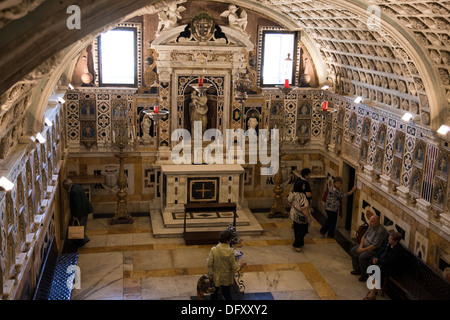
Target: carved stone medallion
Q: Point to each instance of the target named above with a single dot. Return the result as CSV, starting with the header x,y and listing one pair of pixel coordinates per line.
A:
x,y
202,26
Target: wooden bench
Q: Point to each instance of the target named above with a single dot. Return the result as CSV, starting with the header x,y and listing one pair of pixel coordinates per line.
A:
x,y
52,283
417,281
205,237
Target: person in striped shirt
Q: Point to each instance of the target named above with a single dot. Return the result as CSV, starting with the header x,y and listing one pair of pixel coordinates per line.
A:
x,y
333,205
300,217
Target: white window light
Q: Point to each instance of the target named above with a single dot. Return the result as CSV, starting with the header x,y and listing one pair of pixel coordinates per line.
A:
x,y
48,122
275,67
358,99
40,138
6,184
117,56
444,129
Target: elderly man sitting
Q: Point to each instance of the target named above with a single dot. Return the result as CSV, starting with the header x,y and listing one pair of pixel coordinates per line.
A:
x,y
372,242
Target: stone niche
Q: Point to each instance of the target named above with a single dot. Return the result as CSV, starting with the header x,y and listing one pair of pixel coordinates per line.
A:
x,y
217,54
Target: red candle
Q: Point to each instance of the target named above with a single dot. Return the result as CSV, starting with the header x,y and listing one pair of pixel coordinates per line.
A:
x,y
155,109
286,83
325,105
200,82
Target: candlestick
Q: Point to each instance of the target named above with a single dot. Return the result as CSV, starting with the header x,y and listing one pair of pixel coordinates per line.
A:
x,y
325,105
155,109
200,82
286,83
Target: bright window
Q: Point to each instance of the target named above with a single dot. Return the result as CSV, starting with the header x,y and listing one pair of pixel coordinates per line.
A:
x,y
277,56
117,57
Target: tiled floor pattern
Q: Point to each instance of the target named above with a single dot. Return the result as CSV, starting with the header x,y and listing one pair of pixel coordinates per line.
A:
x,y
126,262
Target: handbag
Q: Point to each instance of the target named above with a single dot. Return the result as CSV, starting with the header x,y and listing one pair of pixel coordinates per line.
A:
x,y
298,212
205,285
76,231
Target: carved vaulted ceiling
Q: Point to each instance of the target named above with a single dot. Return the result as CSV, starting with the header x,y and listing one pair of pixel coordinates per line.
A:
x,y
400,61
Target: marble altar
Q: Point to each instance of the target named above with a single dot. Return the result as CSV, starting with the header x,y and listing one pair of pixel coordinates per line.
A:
x,y
218,183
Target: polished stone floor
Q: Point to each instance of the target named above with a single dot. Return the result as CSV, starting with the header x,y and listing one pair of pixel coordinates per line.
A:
x,y
126,262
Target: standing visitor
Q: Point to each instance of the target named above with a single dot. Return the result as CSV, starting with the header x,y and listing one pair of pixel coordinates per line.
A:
x,y
80,206
222,265
300,216
333,205
302,184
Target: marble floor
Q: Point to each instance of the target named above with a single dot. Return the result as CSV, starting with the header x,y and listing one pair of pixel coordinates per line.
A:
x,y
126,262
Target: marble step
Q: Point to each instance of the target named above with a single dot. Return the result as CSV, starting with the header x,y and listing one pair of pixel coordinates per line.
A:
x,y
159,229
205,219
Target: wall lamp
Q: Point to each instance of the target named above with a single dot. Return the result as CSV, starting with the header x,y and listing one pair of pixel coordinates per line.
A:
x,y
48,122
39,138
358,99
327,84
5,184
410,117
443,130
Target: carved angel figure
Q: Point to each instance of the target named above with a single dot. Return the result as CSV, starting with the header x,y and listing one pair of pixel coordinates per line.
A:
x,y
168,17
235,22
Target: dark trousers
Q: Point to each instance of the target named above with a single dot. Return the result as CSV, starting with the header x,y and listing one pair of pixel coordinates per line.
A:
x,y
226,292
330,225
300,230
360,261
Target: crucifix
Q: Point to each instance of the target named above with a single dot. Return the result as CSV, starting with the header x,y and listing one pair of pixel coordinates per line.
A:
x,y
203,190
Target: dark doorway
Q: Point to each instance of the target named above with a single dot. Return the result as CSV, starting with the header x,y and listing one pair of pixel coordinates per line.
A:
x,y
349,181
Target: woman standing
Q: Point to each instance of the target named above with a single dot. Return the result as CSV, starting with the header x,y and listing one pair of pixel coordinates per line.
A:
x,y
300,216
222,265
333,205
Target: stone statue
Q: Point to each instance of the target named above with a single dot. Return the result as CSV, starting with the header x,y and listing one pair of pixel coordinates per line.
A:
x,y
168,17
198,110
234,21
252,123
145,127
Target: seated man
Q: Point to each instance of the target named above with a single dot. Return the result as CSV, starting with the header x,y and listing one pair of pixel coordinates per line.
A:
x,y
373,240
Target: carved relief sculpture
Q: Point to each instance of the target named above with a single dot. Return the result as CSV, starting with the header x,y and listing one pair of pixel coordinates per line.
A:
x,y
168,17
202,26
235,21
